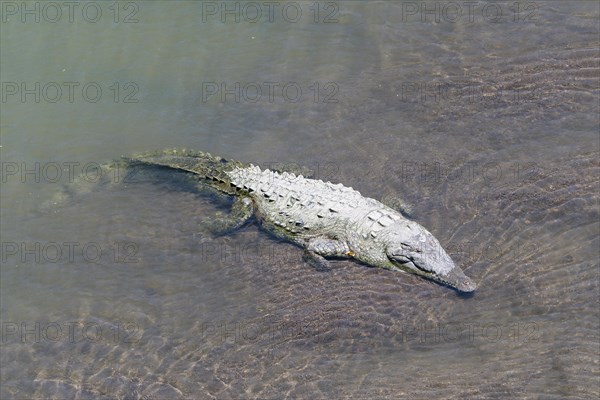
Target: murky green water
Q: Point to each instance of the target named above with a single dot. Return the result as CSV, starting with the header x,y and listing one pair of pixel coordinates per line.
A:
x,y
485,119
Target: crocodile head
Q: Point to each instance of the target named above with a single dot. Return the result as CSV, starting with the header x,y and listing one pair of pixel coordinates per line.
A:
x,y
412,248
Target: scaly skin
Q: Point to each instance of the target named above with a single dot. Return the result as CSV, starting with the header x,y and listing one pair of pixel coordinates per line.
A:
x,y
327,220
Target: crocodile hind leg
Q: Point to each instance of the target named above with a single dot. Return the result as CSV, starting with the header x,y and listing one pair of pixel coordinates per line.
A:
x,y
319,248
241,212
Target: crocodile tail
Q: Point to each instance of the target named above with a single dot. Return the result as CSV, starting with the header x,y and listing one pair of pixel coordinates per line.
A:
x,y
212,169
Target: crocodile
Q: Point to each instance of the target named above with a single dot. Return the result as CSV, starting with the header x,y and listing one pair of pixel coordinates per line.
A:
x,y
325,219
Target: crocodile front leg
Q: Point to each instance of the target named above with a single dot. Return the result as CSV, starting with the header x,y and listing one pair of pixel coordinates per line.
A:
x,y
241,212
319,248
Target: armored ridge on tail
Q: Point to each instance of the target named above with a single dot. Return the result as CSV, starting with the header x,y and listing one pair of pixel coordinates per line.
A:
x,y
326,219
212,169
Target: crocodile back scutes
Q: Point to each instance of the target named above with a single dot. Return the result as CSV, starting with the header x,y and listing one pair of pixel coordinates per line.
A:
x,y
300,205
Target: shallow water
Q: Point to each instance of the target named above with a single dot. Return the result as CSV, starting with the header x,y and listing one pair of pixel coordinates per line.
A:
x,y
487,126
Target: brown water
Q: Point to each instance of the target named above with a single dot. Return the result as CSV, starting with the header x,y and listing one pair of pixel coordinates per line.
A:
x,y
489,128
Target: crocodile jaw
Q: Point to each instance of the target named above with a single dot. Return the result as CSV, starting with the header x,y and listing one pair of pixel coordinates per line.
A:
x,y
457,279
454,278
414,249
